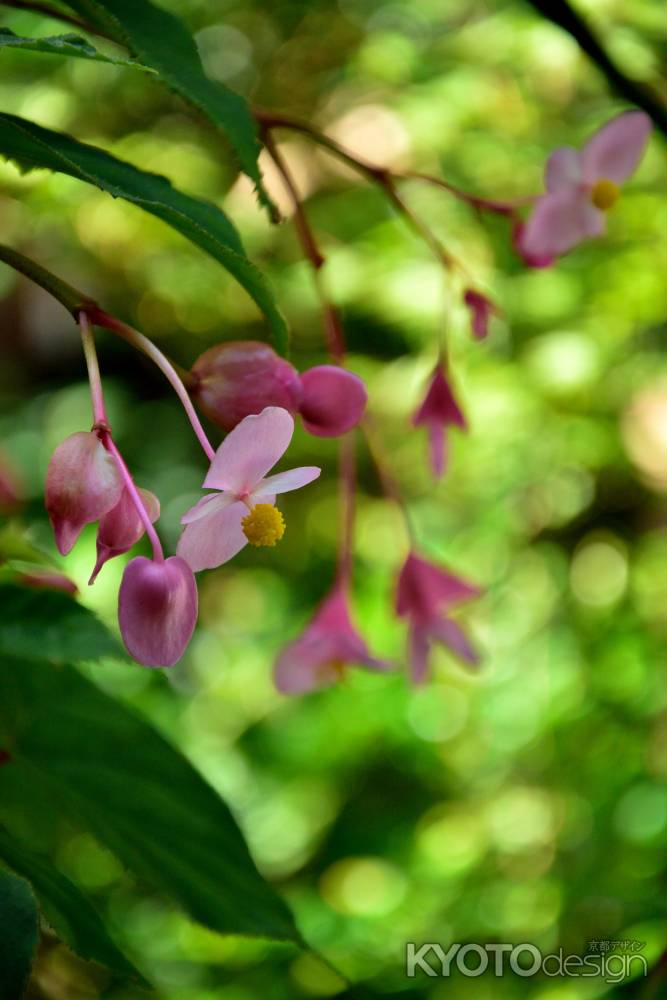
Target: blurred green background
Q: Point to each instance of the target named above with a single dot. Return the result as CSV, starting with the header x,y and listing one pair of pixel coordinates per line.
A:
x,y
527,803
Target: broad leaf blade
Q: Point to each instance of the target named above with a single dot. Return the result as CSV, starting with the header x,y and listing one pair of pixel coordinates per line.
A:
x,y
19,931
48,625
66,908
138,795
65,45
162,41
202,222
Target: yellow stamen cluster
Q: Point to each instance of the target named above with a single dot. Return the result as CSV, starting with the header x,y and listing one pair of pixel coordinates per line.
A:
x,y
604,194
264,525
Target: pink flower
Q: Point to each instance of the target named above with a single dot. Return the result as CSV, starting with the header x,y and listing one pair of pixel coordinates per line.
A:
x,y
481,309
121,527
157,609
243,510
326,646
235,380
424,596
438,411
82,484
581,188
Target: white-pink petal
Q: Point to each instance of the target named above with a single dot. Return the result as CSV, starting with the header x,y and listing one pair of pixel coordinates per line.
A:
x,y
615,150
250,450
214,539
559,222
208,505
283,482
563,169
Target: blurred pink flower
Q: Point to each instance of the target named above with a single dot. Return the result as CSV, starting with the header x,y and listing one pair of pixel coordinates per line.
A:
x,y
157,609
438,411
11,491
424,597
581,188
241,378
121,527
47,579
326,646
82,484
221,523
481,309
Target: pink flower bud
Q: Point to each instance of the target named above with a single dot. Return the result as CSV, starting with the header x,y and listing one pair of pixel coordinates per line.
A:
x,y
481,309
82,484
121,527
333,400
157,609
241,378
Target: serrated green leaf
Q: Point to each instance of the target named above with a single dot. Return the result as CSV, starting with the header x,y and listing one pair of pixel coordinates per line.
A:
x,y
47,625
66,45
19,931
65,908
202,222
160,40
137,794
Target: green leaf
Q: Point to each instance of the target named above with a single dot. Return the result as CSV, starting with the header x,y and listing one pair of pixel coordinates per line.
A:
x,y
136,794
161,40
65,907
202,222
48,625
19,931
65,45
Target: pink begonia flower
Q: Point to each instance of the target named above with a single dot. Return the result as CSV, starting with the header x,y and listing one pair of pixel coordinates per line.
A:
x,y
481,309
326,646
157,609
82,484
235,380
438,411
243,510
581,188
47,579
121,527
424,596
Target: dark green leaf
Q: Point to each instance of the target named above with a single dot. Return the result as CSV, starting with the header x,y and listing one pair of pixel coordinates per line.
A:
x,y
47,625
199,221
137,794
18,935
161,40
65,45
65,907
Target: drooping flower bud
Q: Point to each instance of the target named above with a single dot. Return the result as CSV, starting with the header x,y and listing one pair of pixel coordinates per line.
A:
x,y
481,309
82,484
121,527
157,609
333,400
241,378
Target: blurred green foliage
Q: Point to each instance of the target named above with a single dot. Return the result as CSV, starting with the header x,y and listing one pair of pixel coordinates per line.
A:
x,y
527,803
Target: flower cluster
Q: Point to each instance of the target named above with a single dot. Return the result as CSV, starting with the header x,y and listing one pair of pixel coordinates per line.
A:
x,y
254,395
